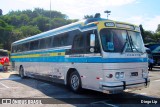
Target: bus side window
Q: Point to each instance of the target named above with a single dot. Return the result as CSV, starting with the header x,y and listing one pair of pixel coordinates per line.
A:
x,y
19,48
42,43
14,49
34,45
48,42
60,40
25,47
78,44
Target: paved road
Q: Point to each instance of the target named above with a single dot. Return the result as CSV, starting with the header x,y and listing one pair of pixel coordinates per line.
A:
x,y
12,86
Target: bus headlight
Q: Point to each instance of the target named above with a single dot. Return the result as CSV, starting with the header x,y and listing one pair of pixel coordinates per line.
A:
x,y
119,75
144,73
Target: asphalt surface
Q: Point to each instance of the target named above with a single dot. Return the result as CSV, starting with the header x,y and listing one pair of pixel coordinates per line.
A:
x,y
14,88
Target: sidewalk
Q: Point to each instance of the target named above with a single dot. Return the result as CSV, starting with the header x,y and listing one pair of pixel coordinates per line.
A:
x,y
10,75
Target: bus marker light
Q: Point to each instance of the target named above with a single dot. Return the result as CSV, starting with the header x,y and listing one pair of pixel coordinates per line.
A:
x,y
96,23
98,78
83,76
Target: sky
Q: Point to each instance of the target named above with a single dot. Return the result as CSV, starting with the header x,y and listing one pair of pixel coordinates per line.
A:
x,y
145,12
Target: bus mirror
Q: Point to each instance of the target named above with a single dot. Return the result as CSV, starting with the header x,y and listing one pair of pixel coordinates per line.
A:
x,y
92,39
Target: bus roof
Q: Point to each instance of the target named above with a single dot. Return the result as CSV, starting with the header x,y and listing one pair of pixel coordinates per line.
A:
x,y
73,26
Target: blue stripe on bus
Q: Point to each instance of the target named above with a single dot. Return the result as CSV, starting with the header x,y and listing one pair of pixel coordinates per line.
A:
x,y
80,60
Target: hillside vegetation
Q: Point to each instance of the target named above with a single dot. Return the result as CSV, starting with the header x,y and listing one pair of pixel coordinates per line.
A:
x,y
21,24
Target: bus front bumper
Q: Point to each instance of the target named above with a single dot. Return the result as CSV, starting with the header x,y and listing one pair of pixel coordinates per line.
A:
x,y
117,87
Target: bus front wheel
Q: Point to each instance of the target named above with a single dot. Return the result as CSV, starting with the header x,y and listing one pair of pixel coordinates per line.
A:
x,y
75,82
21,72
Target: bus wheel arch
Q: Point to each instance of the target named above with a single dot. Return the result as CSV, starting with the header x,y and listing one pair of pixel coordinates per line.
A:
x,y
74,80
21,71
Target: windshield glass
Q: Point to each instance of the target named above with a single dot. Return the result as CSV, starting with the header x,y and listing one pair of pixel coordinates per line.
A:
x,y
157,49
3,53
114,40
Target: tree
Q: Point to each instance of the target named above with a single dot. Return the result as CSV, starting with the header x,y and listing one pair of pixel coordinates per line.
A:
x,y
158,28
88,16
21,24
41,22
142,32
24,19
149,36
29,30
156,37
1,12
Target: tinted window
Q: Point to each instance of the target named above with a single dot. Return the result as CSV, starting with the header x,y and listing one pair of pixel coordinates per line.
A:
x,y
14,49
48,42
42,44
3,53
19,48
34,45
45,43
78,44
114,40
88,47
60,40
81,43
25,47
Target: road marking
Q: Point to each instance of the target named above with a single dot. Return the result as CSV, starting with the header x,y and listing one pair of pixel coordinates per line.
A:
x,y
13,78
156,80
140,94
104,102
110,104
4,85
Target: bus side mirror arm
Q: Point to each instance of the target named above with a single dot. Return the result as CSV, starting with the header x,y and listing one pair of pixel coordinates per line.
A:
x,y
92,42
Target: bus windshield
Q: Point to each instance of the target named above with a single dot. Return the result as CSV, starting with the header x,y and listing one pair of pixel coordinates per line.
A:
x,y
114,40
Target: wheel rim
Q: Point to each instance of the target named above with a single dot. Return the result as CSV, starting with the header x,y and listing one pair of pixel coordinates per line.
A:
x,y
75,82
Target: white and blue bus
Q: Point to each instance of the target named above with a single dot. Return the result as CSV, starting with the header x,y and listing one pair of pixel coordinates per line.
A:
x,y
97,54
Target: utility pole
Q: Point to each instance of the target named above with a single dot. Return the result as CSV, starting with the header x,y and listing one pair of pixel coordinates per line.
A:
x,y
108,13
50,16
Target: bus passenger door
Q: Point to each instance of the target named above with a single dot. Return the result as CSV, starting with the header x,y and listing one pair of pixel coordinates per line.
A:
x,y
86,52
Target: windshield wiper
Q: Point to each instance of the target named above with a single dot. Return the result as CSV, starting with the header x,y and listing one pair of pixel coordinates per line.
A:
x,y
133,46
125,46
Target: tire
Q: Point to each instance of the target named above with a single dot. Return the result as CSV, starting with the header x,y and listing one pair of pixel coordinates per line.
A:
x,y
75,82
21,72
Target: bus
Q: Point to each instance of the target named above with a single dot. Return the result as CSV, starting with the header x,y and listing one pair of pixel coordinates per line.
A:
x,y
97,54
4,60
155,51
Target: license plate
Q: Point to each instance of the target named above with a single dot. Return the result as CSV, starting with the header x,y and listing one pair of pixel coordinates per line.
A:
x,y
134,73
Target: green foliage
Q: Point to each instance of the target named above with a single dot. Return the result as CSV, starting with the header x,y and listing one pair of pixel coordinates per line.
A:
x,y
149,36
158,28
142,31
88,16
29,30
0,12
21,24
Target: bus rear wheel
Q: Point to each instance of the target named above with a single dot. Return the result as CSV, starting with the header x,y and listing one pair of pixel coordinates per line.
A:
x,y
75,82
21,72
